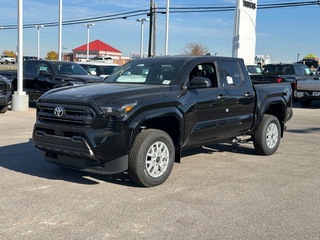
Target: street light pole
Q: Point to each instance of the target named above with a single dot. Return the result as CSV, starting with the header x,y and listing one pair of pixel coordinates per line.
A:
x,y
38,31
88,37
167,29
142,20
298,57
20,100
60,31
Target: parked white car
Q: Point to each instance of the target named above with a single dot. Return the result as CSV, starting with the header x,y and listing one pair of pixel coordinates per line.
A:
x,y
6,59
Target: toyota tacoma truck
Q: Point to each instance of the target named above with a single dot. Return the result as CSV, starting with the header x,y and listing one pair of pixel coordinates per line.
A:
x,y
149,110
40,76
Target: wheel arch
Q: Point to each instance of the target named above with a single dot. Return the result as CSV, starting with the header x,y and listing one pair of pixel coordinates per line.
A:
x,y
277,109
169,120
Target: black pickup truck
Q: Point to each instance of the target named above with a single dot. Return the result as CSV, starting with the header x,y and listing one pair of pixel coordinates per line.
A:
x,y
40,76
283,72
150,109
5,94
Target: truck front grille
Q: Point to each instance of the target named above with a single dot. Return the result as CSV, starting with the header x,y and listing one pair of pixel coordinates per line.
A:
x,y
66,114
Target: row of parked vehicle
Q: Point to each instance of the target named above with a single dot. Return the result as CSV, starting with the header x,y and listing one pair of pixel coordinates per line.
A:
x,y
39,76
305,83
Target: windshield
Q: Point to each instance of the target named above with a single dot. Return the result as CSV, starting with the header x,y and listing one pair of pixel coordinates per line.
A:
x,y
278,69
108,70
69,68
148,72
254,69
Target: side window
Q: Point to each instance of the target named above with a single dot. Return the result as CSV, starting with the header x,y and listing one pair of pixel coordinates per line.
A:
x,y
307,71
232,73
92,70
299,70
30,68
206,70
44,68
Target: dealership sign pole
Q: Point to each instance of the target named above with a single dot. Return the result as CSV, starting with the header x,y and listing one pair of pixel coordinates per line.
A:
x,y
244,37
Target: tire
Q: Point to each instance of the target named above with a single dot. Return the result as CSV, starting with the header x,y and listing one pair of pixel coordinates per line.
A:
x,y
267,140
305,102
3,109
151,158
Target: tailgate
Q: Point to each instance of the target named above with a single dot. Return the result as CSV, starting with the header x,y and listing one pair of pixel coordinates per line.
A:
x,y
308,85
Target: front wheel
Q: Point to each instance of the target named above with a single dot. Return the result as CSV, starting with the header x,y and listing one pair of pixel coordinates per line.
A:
x,y
151,158
266,141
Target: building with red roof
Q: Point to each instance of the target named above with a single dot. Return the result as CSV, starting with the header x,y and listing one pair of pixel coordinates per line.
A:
x,y
98,48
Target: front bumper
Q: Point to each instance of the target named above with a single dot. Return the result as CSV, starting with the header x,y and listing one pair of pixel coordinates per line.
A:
x,y
307,94
82,138
73,150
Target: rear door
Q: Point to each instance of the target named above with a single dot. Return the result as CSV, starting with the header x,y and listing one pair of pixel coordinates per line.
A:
x,y
241,97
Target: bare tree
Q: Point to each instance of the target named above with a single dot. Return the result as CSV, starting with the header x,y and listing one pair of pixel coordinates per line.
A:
x,y
195,49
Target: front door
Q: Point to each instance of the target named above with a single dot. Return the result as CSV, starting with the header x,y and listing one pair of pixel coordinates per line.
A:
x,y
206,113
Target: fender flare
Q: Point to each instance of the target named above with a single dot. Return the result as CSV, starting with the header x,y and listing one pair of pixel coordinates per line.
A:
x,y
137,123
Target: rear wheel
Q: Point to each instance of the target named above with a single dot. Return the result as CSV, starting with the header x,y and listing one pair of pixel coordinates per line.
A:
x,y
151,158
266,141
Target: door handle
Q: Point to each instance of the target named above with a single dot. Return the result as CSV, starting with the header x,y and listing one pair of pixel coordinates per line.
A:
x,y
221,97
248,95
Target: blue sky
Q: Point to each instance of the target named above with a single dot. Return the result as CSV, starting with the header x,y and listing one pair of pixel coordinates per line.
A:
x,y
281,33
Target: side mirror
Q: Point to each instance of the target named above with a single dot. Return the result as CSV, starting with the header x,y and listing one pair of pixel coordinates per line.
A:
x,y
199,82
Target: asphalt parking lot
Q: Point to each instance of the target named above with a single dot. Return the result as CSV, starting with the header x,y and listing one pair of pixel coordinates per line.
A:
x,y
217,192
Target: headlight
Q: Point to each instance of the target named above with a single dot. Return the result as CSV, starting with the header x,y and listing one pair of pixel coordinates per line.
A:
x,y
7,81
120,111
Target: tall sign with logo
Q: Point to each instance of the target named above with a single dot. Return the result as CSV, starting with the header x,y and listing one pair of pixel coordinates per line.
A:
x,y
244,36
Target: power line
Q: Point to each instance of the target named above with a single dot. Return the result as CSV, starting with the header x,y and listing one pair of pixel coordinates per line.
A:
x,y
161,10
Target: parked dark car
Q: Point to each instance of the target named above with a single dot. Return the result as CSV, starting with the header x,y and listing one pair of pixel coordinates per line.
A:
x,y
40,76
5,94
30,58
311,63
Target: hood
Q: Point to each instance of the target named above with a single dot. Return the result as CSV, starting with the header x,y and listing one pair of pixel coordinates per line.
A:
x,y
81,78
106,93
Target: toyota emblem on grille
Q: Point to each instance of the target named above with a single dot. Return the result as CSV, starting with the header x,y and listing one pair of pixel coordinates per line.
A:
x,y
58,111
